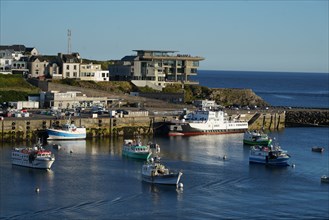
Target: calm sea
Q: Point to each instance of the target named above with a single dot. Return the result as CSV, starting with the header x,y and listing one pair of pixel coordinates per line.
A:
x,y
276,88
96,182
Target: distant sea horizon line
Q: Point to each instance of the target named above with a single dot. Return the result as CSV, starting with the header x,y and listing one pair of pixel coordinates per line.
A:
x,y
261,71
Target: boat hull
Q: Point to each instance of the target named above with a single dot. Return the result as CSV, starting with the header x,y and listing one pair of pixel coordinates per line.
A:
x,y
44,163
169,179
281,161
57,134
262,143
187,130
136,155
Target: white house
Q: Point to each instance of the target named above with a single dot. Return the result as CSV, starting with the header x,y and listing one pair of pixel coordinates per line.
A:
x,y
93,72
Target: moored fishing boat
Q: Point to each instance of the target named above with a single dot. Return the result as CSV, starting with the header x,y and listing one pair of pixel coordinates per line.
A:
x,y
269,155
256,138
67,131
135,149
36,157
153,171
206,121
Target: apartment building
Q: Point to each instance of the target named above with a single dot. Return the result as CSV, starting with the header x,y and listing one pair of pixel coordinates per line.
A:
x,y
156,68
93,72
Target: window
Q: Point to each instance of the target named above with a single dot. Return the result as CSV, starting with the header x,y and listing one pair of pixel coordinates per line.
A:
x,y
67,67
67,74
75,67
195,63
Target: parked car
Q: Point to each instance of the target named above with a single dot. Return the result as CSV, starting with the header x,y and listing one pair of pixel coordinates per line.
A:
x,y
123,111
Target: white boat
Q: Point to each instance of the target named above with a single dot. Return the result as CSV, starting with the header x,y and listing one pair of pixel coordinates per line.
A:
x,y
256,138
268,155
206,122
155,172
35,157
67,131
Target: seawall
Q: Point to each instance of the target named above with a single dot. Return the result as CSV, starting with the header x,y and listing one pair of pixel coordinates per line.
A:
x,y
307,118
13,129
18,129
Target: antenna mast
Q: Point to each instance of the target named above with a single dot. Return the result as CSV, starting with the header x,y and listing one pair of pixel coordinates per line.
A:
x,y
69,41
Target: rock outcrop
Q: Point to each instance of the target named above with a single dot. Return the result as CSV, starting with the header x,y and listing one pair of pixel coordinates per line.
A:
x,y
241,97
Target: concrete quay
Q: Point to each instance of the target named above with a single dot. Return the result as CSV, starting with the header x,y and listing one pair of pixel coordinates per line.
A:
x,y
19,129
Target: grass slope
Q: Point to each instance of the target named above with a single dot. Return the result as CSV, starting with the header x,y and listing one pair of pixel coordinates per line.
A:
x,y
15,88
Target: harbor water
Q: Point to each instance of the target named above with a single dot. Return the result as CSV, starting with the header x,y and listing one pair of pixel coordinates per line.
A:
x,y
90,179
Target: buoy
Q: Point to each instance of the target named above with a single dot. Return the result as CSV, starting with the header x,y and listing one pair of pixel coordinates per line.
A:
x,y
180,186
37,190
293,165
224,158
71,151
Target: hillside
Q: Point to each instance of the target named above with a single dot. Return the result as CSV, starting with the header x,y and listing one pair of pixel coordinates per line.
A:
x,y
15,88
222,96
112,86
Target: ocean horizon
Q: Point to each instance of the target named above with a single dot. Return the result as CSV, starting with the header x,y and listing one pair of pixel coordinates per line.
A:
x,y
293,89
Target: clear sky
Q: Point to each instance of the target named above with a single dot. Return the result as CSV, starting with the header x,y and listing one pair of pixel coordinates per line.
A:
x,y
261,35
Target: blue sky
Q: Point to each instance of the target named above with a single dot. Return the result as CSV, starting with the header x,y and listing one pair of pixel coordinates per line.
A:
x,y
258,35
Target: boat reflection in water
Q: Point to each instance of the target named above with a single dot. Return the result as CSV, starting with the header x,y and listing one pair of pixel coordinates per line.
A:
x,y
69,146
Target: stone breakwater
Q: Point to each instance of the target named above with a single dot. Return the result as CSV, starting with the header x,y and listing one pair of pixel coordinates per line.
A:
x,y
307,118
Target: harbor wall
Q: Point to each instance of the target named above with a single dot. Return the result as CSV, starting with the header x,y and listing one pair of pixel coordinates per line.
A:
x,y
13,129
267,121
18,129
30,129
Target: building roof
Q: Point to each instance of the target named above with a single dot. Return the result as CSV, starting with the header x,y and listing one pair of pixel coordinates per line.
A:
x,y
70,58
16,47
161,51
43,58
129,58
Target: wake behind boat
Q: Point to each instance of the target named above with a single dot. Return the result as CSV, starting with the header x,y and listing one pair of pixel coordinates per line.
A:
x,y
206,122
35,157
67,131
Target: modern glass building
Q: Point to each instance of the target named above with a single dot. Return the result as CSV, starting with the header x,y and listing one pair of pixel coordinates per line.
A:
x,y
156,68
